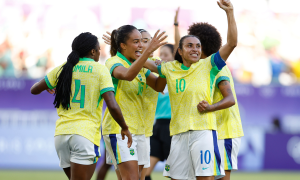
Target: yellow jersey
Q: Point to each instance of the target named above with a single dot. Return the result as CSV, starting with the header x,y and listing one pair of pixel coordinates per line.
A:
x,y
187,87
228,120
129,96
150,102
89,81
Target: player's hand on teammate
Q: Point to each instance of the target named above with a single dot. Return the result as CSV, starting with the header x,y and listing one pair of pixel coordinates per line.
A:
x,y
126,132
157,41
107,38
158,62
51,91
225,5
203,106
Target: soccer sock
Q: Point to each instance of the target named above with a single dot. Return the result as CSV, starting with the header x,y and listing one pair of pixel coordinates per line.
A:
x,y
147,178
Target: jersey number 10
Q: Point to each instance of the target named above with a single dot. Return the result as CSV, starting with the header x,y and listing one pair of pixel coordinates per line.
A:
x,y
179,85
82,95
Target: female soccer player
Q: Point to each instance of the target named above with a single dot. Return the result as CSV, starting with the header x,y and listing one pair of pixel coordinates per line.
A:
x,y
130,80
81,85
190,81
229,124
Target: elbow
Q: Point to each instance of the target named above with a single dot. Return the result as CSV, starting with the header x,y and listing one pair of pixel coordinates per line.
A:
x,y
232,102
32,91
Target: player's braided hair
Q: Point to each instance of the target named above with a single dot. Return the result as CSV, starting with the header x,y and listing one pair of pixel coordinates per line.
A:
x,y
118,36
177,55
81,45
209,36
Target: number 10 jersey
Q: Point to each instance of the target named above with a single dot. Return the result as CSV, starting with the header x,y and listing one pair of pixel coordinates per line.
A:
x,y
187,87
89,81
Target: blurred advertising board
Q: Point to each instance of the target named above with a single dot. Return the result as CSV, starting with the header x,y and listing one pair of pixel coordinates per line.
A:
x,y
27,125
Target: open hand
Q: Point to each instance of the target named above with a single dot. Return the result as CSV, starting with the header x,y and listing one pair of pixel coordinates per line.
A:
x,y
203,106
107,38
225,5
156,41
126,132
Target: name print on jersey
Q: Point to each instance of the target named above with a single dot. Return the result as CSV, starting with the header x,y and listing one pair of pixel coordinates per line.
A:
x,y
81,68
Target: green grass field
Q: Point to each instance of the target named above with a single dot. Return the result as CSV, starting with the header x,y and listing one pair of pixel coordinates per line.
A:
x,y
59,175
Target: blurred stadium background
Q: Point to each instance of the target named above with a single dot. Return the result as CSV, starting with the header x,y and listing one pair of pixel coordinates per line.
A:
x,y
36,36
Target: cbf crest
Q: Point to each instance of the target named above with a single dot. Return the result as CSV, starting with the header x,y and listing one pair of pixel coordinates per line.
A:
x,y
167,167
131,152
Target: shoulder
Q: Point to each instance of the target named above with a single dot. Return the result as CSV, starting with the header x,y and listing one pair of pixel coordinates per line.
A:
x,y
154,58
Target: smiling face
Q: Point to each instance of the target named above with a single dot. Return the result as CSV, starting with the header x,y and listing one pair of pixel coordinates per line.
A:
x,y
133,46
191,50
146,39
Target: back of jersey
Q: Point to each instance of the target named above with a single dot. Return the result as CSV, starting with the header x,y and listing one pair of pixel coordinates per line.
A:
x,y
89,81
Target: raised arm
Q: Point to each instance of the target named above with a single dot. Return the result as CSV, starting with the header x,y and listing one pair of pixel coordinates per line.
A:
x,y
177,35
226,50
227,101
116,113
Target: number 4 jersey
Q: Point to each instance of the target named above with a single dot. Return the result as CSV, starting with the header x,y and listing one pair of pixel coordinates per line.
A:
x,y
187,87
89,81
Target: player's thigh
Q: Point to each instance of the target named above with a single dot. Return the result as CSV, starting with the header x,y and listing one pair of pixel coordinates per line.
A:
x,y
205,153
118,151
129,170
82,172
178,163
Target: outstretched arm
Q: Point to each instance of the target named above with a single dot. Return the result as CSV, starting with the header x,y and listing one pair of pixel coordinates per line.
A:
x,y
226,102
116,113
226,50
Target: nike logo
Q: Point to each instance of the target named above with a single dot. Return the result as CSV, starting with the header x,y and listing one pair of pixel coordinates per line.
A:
x,y
205,168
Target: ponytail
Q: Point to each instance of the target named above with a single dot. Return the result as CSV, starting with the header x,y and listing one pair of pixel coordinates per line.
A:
x,y
178,57
81,46
121,35
113,44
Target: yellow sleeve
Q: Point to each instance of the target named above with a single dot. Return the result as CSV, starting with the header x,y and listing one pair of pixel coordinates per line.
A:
x,y
106,81
112,63
51,77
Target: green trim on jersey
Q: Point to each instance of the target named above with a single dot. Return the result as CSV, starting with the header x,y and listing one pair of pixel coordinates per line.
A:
x,y
104,91
183,67
123,57
147,73
48,83
86,59
159,72
114,66
213,73
222,78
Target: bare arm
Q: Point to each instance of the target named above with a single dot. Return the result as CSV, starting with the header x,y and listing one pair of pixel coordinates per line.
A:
x,y
116,113
227,49
156,83
177,35
226,102
39,87
151,66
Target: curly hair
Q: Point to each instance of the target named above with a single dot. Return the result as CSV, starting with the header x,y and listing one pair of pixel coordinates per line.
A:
x,y
209,36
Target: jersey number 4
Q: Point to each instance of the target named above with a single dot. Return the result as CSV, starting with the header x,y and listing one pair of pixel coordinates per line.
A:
x,y
82,95
179,84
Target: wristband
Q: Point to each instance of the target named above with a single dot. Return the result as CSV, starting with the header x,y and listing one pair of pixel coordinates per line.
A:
x,y
175,24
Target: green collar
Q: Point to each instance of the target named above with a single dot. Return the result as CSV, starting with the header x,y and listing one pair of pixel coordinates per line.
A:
x,y
123,57
85,59
183,67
